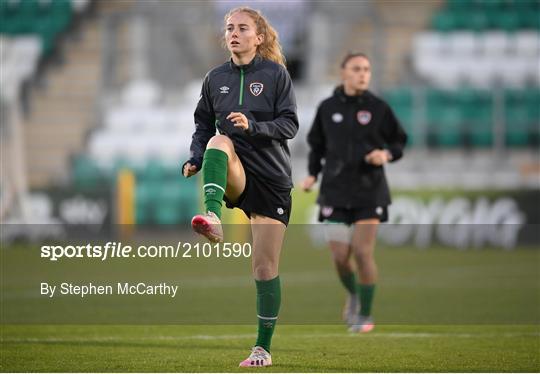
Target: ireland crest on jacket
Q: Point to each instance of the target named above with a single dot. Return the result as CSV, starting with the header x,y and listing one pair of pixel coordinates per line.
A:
x,y
256,88
363,117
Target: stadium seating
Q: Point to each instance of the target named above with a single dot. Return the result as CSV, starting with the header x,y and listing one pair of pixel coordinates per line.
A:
x,y
481,43
141,134
481,60
467,116
522,116
488,14
43,18
165,201
401,101
481,65
86,174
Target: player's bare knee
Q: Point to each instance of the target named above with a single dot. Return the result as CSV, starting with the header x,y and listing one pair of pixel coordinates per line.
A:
x,y
264,272
363,257
221,142
341,260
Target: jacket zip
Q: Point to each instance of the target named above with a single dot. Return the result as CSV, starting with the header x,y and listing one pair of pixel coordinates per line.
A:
x,y
350,131
241,98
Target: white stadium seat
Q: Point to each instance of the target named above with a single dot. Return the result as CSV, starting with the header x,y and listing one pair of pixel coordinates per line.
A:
x,y
463,43
495,43
141,93
481,60
139,129
527,44
429,43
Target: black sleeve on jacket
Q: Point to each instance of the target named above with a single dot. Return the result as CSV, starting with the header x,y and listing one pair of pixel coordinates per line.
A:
x,y
285,124
317,143
205,126
393,134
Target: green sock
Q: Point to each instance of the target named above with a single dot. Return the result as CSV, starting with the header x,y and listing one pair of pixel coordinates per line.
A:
x,y
214,170
268,303
365,293
349,282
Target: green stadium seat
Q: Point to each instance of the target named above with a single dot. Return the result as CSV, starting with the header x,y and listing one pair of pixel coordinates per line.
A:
x,y
86,175
480,134
121,163
518,126
143,202
399,96
47,31
408,125
459,5
29,8
529,98
475,105
404,114
171,203
489,4
530,20
448,128
507,20
436,101
475,21
522,115
166,214
523,5
4,8
154,170
445,21
480,15
166,201
476,109
401,101
61,13
47,19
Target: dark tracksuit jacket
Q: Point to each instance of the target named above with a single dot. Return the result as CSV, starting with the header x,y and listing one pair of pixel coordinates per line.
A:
x,y
345,130
262,90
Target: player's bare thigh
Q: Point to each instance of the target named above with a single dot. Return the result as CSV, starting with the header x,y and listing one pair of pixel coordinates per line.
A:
x,y
365,234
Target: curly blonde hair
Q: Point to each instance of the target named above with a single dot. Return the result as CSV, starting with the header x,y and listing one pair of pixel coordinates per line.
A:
x,y
270,48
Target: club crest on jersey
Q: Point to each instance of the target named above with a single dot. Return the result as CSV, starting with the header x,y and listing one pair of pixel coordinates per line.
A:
x,y
363,117
256,88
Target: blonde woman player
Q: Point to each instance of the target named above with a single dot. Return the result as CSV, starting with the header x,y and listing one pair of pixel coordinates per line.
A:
x,y
250,101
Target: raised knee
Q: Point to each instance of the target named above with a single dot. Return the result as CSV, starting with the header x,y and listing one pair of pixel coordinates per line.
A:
x,y
221,142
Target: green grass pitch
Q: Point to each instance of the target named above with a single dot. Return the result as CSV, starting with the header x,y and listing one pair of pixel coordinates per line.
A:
x,y
310,348
437,310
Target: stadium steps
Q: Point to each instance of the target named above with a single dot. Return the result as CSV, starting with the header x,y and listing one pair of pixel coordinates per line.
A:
x,y
402,21
123,55
388,48
359,39
63,112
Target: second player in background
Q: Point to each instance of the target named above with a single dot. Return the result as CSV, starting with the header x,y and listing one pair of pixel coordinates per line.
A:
x,y
356,134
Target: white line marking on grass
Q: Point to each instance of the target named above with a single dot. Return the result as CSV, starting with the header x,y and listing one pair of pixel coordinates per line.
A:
x,y
251,336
